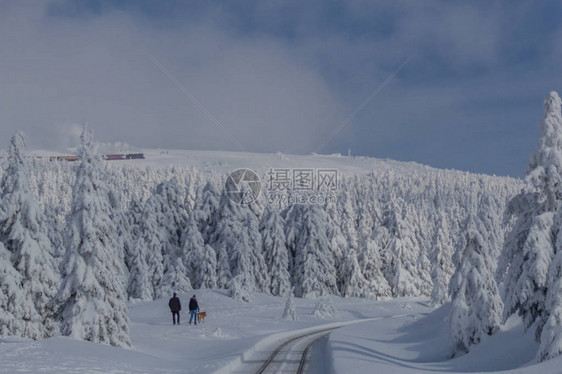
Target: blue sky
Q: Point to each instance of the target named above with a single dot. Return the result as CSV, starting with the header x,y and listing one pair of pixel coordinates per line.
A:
x,y
284,75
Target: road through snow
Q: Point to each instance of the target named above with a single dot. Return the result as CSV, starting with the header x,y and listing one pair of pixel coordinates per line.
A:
x,y
283,353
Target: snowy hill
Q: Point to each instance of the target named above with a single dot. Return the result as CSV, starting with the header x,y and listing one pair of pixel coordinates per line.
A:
x,y
225,162
221,161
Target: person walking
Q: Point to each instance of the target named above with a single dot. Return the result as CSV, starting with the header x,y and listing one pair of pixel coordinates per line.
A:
x,y
193,309
175,308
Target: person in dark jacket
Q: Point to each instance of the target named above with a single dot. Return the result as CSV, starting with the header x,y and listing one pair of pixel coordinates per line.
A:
x,y
175,308
193,309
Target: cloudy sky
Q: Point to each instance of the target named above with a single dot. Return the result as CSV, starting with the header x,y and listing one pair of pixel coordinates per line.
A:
x,y
450,84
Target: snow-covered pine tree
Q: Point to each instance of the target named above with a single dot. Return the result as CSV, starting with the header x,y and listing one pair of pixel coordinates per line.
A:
x,y
193,249
238,287
371,264
293,225
259,267
237,235
148,267
439,293
275,252
11,303
55,230
530,246
368,252
526,280
489,216
243,281
140,286
418,220
290,312
176,279
551,334
314,272
545,164
192,187
354,283
134,214
223,268
163,222
92,296
208,268
402,273
173,216
124,241
348,217
200,259
381,237
206,211
476,306
338,244
24,234
442,263
324,308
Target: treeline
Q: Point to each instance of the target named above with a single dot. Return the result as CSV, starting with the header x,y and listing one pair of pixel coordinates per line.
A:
x,y
384,236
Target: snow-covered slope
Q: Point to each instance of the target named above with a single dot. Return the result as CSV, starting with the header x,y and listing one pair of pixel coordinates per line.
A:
x,y
228,161
224,161
411,338
231,329
421,344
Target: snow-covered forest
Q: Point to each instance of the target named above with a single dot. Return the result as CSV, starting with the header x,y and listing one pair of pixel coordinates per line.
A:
x,y
78,240
391,233
177,230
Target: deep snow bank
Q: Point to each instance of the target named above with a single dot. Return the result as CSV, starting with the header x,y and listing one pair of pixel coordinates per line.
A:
x,y
419,343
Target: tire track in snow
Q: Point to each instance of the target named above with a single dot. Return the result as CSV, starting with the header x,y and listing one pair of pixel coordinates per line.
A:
x,y
257,359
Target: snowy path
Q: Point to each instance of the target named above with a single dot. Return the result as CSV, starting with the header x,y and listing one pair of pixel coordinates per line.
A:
x,y
283,353
287,358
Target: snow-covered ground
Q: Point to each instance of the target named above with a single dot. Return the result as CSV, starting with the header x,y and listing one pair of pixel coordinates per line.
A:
x,y
411,338
225,162
228,161
420,344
